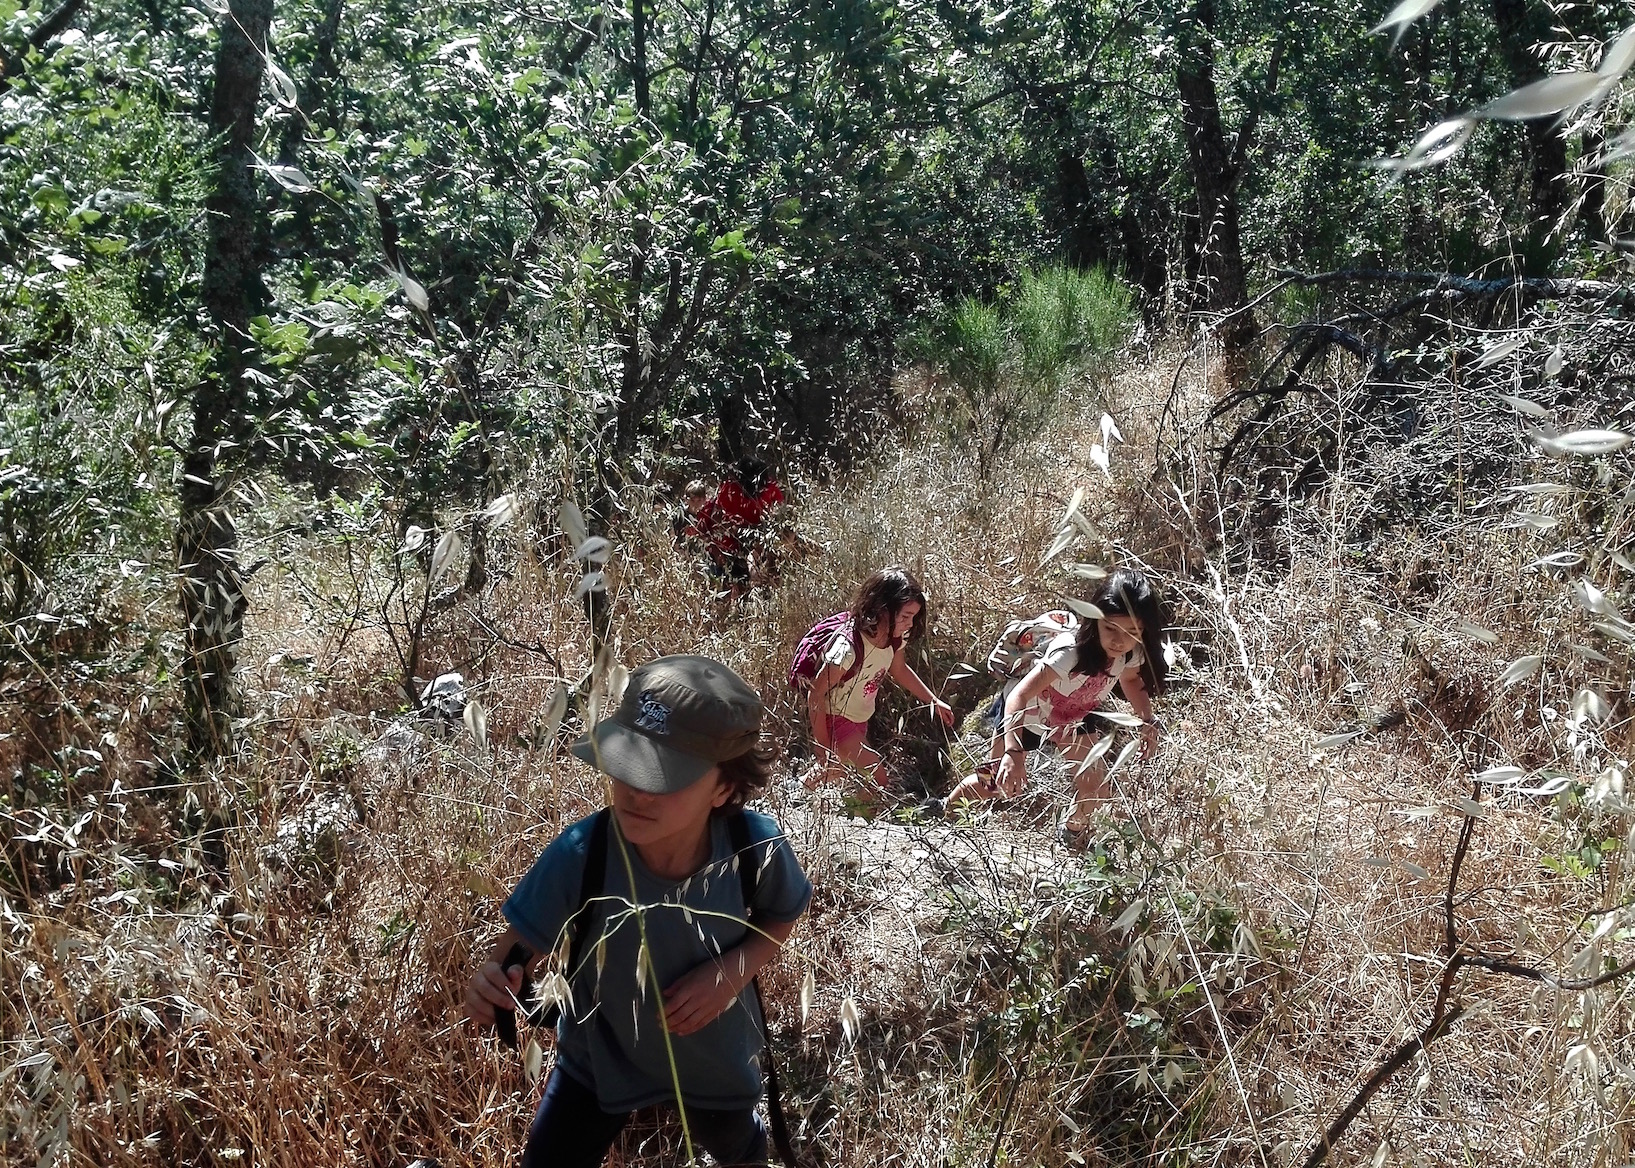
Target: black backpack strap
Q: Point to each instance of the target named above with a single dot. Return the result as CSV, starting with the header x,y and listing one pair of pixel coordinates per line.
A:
x,y
774,1100
749,874
749,862
591,882
535,1012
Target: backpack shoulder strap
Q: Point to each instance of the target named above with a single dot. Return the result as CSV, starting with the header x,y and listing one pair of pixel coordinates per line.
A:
x,y
749,874
590,885
591,880
858,649
749,862
774,1095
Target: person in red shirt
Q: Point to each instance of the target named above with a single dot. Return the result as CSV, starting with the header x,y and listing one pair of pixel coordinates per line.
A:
x,y
737,540
748,493
699,527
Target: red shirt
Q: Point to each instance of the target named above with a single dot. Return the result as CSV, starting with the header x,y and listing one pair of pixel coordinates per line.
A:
x,y
739,509
698,523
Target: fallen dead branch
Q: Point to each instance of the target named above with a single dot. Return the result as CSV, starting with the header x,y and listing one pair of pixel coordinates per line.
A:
x,y
1535,287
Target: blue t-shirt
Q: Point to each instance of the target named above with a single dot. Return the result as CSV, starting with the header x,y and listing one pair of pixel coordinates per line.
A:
x,y
611,1039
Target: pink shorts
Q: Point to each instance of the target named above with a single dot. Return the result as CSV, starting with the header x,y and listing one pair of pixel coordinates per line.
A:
x,y
843,732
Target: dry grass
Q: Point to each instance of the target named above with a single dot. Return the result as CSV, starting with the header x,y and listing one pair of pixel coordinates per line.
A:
x,y
265,965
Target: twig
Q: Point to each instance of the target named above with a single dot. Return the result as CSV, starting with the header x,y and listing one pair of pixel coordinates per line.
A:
x,y
1197,965
1443,1014
1010,1098
1399,1059
1442,1018
483,623
1220,1027
1237,633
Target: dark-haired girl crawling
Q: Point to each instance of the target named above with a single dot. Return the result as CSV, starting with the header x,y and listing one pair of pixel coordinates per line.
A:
x,y
1056,699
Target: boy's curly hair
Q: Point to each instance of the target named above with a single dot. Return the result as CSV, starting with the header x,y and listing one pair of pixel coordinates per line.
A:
x,y
747,776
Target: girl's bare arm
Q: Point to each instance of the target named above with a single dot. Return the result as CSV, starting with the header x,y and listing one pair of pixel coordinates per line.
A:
x,y
817,706
1013,767
1030,687
903,674
1135,689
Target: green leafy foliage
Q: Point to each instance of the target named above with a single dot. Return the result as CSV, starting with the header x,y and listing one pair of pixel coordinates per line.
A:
x,y
1007,365
102,188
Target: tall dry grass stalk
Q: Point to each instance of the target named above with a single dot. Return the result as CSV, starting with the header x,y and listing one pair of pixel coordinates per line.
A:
x,y
265,965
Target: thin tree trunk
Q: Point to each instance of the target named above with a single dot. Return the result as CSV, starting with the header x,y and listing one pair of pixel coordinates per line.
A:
x,y
638,20
1521,28
637,363
210,586
1223,283
1593,205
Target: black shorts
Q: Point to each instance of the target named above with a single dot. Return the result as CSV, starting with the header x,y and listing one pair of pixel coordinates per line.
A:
x,y
1030,738
725,567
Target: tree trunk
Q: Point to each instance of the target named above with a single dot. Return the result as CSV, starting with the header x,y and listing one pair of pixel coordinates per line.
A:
x,y
210,586
637,356
1521,28
635,361
1082,239
1145,263
1223,285
1593,207
638,22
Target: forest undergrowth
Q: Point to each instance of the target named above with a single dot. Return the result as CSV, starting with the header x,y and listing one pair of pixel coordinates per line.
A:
x,y
265,965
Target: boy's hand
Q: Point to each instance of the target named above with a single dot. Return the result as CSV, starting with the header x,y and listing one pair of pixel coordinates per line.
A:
x,y
492,988
944,711
697,998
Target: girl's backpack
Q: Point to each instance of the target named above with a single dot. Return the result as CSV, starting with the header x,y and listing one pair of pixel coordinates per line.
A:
x,y
1023,642
809,653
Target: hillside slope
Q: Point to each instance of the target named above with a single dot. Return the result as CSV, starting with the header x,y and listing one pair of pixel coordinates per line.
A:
x,y
266,965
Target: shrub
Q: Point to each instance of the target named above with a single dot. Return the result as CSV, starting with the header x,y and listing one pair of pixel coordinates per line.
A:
x,y
1003,368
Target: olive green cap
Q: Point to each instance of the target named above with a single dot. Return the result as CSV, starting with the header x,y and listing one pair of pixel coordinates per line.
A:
x,y
679,717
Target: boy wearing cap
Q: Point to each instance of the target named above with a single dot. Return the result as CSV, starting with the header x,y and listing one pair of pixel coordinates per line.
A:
x,y
683,753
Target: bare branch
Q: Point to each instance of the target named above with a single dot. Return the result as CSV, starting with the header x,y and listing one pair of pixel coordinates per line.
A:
x,y
1449,282
1533,973
1459,853
1399,1058
1444,1015
43,32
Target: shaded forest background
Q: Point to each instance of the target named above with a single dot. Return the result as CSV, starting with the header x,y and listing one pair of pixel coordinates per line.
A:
x,y
403,253
346,344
